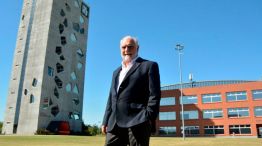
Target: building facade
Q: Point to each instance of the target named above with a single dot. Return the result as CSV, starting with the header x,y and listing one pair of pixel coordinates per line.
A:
x,y
212,108
47,79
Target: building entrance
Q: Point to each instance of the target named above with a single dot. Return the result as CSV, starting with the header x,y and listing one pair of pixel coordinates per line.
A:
x,y
259,131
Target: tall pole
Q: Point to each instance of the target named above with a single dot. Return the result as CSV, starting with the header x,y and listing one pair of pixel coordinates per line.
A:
x,y
180,48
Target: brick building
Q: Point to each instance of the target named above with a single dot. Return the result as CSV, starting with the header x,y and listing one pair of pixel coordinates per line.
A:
x,y
212,108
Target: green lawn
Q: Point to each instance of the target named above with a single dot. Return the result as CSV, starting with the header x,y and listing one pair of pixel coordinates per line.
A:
x,y
99,141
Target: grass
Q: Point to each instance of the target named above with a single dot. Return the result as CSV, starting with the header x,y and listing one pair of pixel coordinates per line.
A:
x,y
99,141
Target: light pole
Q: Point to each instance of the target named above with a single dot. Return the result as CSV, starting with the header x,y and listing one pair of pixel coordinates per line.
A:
x,y
180,48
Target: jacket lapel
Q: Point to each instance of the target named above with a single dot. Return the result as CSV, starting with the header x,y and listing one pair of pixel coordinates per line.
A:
x,y
116,79
131,71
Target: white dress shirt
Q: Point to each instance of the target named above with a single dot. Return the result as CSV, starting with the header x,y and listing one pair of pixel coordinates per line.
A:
x,y
124,71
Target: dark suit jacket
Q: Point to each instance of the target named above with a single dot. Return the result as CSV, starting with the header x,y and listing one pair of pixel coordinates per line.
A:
x,y
138,98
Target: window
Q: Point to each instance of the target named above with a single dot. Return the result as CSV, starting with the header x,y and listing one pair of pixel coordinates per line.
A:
x,y
63,40
50,71
61,28
56,93
236,96
65,22
62,13
79,53
189,100
75,90
81,19
211,98
85,10
73,76
59,68
82,30
76,101
239,129
58,82
50,102
258,111
58,50
167,101
167,116
76,3
67,7
79,65
75,115
188,115
167,130
76,27
32,98
73,37
214,130
62,57
191,130
34,83
68,87
70,115
213,113
238,112
257,94
25,91
55,110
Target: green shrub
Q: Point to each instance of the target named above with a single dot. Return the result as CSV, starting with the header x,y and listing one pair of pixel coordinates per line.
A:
x,y
43,132
1,125
90,130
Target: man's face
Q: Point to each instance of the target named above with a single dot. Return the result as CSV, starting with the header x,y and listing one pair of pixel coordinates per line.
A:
x,y
128,50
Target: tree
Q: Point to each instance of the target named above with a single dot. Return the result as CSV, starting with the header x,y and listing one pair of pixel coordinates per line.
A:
x,y
91,130
1,125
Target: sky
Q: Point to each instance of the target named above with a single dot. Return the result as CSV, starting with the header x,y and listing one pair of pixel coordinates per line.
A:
x,y
222,40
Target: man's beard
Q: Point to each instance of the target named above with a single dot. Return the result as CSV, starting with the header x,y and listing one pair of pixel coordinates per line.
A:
x,y
127,59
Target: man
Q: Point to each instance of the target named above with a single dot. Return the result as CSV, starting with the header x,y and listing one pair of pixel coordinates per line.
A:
x,y
133,103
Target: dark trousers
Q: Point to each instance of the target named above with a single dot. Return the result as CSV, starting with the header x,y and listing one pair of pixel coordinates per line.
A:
x,y
134,136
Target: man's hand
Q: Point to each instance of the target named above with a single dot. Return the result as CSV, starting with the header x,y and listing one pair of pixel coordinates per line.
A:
x,y
103,129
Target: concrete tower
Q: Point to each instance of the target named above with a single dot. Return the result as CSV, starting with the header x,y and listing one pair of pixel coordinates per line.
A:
x,y
47,80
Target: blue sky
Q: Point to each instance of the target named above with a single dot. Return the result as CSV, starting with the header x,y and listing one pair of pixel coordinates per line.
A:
x,y
222,39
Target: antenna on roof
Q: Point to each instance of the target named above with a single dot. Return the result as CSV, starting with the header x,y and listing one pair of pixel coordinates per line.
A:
x,y
190,77
191,80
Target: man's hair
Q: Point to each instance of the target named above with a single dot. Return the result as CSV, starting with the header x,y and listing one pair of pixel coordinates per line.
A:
x,y
127,37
